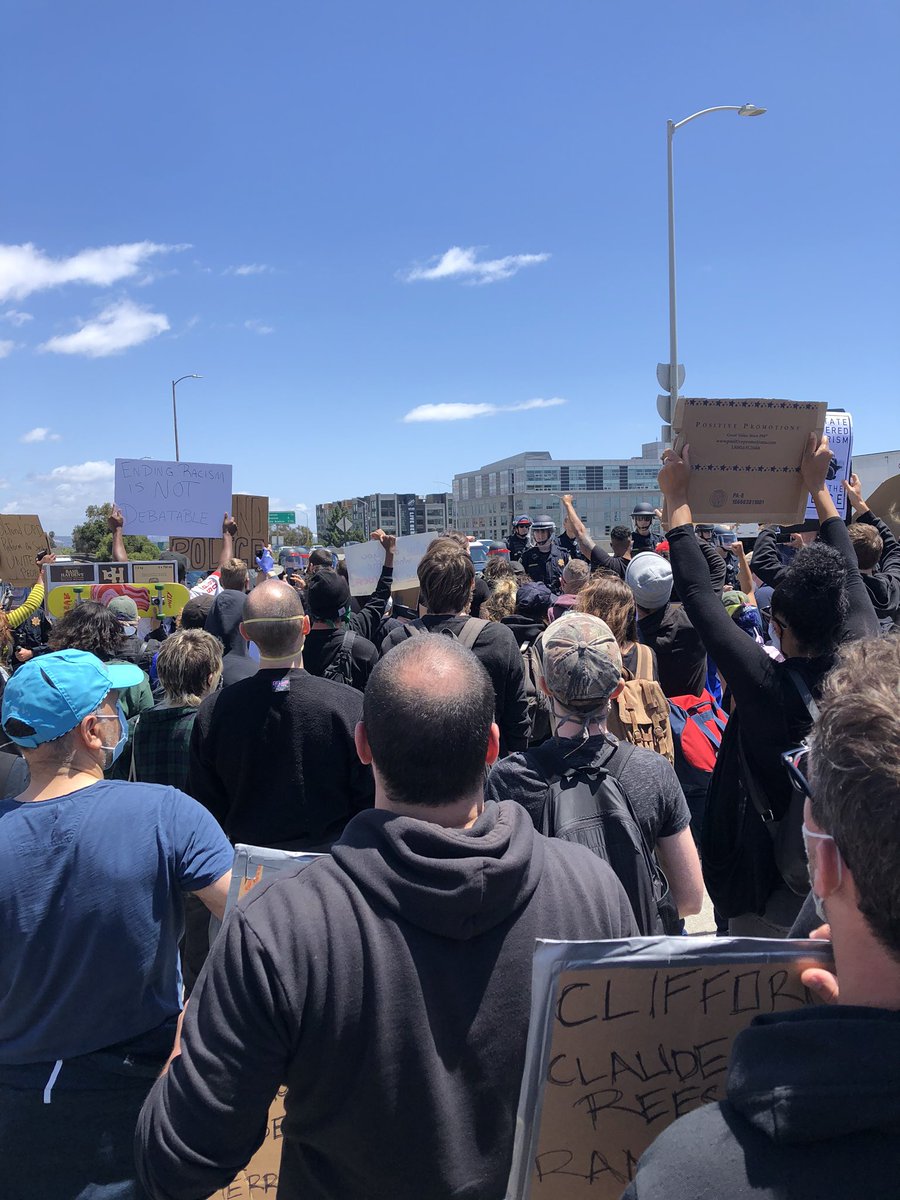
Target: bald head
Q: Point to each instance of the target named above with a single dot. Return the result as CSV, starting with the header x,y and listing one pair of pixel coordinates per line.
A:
x,y
428,709
273,619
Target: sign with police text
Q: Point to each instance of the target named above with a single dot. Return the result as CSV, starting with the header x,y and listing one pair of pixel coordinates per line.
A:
x,y
745,457
627,1036
21,537
839,430
182,498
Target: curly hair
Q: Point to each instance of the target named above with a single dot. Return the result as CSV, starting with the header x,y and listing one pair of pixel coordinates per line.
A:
x,y
88,626
811,599
497,567
610,598
502,600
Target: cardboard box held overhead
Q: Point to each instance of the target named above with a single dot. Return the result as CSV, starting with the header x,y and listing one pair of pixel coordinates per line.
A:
x,y
745,456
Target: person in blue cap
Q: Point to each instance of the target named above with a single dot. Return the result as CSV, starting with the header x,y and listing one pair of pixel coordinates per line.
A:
x,y
92,875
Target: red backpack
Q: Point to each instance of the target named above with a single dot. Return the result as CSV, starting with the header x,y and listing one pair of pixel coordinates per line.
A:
x,y
697,726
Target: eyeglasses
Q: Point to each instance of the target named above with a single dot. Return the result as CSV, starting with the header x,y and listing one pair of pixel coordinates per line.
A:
x,y
795,763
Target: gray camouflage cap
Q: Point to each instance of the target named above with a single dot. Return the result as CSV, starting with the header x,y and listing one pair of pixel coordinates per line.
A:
x,y
582,663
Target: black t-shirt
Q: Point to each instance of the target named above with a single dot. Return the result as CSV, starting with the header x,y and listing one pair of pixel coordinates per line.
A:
x,y
479,595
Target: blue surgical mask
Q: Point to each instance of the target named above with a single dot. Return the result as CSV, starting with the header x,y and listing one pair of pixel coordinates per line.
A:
x,y
115,751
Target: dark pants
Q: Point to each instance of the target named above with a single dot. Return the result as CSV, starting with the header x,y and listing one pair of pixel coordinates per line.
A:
x,y
74,1141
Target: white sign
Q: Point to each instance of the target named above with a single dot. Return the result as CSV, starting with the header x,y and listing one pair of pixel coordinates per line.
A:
x,y
364,561
172,497
839,431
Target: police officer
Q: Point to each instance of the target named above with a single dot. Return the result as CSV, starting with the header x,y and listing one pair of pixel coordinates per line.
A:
x,y
642,539
544,561
724,539
517,542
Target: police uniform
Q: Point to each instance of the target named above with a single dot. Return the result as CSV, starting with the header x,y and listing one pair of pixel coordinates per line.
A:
x,y
546,568
516,546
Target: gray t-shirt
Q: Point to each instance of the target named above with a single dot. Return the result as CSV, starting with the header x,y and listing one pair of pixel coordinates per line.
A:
x,y
648,780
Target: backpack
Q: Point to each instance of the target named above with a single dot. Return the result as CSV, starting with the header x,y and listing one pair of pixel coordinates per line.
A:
x,y
538,701
640,713
340,669
697,726
14,775
467,636
588,806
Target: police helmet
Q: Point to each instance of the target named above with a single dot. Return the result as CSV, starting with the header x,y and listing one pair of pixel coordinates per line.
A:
x,y
643,509
544,522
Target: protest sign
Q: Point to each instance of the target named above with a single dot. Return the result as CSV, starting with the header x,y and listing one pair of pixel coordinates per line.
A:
x,y
260,1176
184,498
745,456
885,503
839,430
21,538
252,516
128,572
626,1036
364,561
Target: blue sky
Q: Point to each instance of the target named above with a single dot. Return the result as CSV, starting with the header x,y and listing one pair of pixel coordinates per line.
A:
x,y
275,185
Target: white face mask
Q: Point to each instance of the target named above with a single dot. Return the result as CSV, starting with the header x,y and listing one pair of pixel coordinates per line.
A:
x,y
774,637
824,837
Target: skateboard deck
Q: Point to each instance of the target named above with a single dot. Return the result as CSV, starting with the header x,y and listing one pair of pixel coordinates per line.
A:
x,y
152,599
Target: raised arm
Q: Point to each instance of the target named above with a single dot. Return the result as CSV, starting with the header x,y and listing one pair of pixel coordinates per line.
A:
x,y
574,527
34,599
367,620
767,566
229,533
890,555
115,523
745,575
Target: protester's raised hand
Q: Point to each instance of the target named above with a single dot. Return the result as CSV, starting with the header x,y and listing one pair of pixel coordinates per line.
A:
x,y
674,476
853,488
822,983
568,500
229,525
114,520
388,540
815,463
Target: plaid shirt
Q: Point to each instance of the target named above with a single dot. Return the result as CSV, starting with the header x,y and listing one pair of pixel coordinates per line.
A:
x,y
161,741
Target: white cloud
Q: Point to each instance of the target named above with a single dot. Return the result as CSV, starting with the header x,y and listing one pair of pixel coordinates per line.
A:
x,y
25,269
465,412
40,434
17,318
6,347
87,472
258,327
10,509
117,328
249,269
462,263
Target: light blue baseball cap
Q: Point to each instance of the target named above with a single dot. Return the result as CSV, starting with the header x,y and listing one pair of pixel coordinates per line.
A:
x,y
51,694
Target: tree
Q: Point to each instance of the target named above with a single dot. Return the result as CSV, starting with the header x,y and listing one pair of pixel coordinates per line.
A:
x,y
51,539
294,535
93,539
334,535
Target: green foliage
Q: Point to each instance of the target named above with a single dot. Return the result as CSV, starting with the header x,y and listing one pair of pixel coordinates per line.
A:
x,y
93,539
294,535
335,536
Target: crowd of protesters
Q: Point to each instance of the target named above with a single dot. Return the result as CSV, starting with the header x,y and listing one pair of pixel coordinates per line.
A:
x,y
424,751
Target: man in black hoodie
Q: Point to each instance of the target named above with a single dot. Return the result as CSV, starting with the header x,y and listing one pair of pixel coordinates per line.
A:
x,y
224,622
813,1096
389,984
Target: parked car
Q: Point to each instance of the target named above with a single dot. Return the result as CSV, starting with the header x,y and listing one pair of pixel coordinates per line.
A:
x,y
296,557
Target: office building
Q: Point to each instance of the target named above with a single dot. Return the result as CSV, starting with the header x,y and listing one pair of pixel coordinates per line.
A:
x,y
400,513
488,500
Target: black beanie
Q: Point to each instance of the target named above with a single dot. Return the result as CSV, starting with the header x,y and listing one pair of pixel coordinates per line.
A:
x,y
328,594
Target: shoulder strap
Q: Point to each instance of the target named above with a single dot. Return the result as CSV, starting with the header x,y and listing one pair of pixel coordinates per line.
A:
x,y
412,628
132,766
644,662
805,694
347,641
468,635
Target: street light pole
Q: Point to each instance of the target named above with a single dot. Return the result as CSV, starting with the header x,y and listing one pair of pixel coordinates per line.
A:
x,y
175,383
666,404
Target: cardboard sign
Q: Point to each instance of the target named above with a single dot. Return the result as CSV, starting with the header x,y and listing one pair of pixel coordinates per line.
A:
x,y
839,429
885,503
158,497
252,516
365,560
625,1037
20,540
260,1176
745,456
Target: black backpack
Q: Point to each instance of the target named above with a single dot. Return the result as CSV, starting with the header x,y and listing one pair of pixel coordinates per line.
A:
x,y
340,669
538,701
14,775
587,805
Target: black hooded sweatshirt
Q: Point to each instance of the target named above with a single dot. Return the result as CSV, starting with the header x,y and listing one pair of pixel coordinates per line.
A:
x,y
223,622
813,1113
389,988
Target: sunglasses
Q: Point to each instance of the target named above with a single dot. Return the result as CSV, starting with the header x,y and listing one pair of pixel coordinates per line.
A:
x,y
795,762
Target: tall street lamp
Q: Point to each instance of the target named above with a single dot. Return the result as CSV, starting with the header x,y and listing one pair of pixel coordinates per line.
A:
x,y
670,375
175,383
